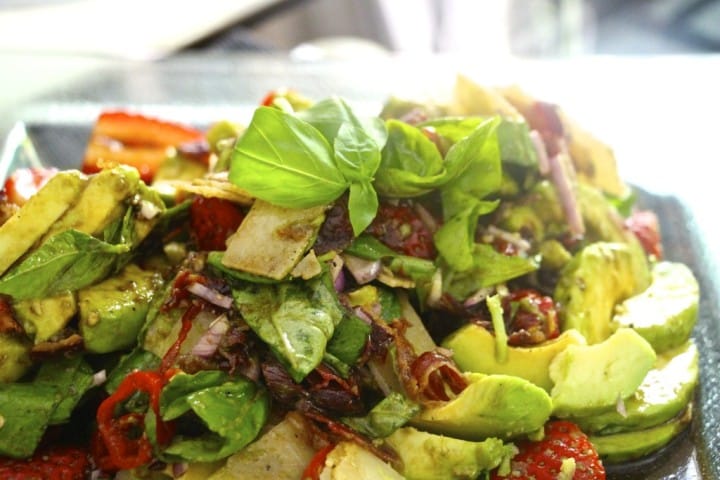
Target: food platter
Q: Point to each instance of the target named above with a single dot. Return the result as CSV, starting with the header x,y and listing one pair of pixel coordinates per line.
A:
x,y
52,141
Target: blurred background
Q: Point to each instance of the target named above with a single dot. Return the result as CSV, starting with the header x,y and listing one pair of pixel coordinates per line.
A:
x,y
312,29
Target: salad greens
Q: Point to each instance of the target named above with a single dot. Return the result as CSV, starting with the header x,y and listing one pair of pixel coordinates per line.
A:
x,y
365,292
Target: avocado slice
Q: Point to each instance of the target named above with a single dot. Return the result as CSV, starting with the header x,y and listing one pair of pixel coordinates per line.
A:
x,y
490,406
593,282
44,317
665,392
426,456
112,312
666,312
100,203
592,378
28,224
621,447
474,351
14,356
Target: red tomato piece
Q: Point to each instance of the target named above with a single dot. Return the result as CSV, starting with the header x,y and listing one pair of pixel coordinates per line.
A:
x,y
23,183
646,227
400,228
543,460
213,220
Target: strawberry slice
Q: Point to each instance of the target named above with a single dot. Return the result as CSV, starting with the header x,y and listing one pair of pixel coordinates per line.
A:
x,y
121,138
213,220
58,462
23,183
543,460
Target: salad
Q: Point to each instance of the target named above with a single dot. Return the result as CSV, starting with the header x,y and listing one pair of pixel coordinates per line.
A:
x,y
461,289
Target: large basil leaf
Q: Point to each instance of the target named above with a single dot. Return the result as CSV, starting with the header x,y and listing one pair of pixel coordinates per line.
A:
x,y
411,163
362,205
329,114
72,377
349,339
67,261
296,319
233,410
489,267
285,161
391,413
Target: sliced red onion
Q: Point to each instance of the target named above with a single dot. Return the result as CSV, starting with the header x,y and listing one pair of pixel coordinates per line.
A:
x,y
560,166
477,297
336,270
541,150
426,217
99,378
512,238
363,270
179,469
212,296
208,343
360,313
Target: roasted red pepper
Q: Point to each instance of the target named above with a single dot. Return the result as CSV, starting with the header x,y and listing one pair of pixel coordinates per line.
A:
x,y
317,463
121,138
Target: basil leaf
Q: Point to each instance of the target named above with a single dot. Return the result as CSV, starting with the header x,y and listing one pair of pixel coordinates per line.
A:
x,y
356,153
455,239
67,261
72,377
285,161
489,268
295,319
391,413
138,359
329,114
349,339
233,410
411,163
362,205
370,248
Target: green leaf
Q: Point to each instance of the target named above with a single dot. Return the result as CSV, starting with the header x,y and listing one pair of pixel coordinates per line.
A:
x,y
72,377
489,267
285,161
349,339
295,319
138,359
362,206
329,114
391,413
411,163
233,411
67,261
356,153
370,248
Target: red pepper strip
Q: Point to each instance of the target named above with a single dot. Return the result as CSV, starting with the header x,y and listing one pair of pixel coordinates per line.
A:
x,y
126,453
317,463
173,352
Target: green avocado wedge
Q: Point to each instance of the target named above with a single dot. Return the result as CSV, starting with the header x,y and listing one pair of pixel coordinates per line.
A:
x,y
14,357
665,392
490,406
112,312
44,317
474,351
591,379
426,456
621,447
597,278
666,312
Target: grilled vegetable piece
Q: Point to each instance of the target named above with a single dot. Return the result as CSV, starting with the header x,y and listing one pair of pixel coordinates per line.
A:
x,y
272,240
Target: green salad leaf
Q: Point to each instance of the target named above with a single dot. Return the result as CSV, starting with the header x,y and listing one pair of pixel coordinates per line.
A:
x,y
296,319
233,410
391,413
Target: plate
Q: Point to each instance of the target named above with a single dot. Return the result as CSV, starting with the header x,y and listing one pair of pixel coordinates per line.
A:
x,y
694,454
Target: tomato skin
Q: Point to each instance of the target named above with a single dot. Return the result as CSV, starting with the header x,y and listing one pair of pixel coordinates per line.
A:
x,y
317,463
543,460
23,183
213,220
646,227
400,228
57,462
